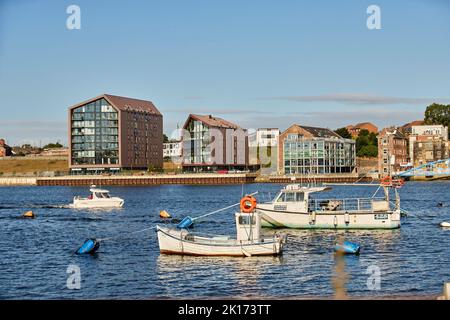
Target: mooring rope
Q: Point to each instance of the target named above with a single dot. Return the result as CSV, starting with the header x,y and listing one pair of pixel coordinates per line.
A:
x,y
195,218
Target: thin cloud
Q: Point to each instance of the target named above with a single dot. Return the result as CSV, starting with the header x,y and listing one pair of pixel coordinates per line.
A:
x,y
361,98
216,111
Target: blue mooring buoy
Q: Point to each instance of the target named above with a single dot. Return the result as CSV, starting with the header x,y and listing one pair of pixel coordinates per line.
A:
x,y
347,247
185,223
89,246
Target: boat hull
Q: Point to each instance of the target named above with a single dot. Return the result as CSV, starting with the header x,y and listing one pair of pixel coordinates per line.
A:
x,y
172,241
330,220
92,204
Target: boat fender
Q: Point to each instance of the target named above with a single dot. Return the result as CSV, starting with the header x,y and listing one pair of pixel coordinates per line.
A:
x,y
347,218
185,223
164,214
89,246
29,214
347,247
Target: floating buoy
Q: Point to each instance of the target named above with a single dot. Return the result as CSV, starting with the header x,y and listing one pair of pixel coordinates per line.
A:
x,y
164,214
185,223
89,246
28,214
347,248
445,224
440,204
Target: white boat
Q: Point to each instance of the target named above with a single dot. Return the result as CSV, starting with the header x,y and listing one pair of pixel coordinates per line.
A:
x,y
295,206
99,198
248,242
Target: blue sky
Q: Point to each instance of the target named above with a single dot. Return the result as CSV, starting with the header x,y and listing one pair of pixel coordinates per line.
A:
x,y
255,62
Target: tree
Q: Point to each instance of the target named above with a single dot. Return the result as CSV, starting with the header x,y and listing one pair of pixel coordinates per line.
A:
x,y
53,146
368,151
366,144
165,138
438,114
344,133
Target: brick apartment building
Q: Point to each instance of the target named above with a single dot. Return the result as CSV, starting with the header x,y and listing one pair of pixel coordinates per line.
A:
x,y
211,144
356,129
109,133
428,143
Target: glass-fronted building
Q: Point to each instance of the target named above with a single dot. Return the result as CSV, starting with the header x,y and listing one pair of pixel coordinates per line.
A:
x,y
214,144
110,133
310,150
95,134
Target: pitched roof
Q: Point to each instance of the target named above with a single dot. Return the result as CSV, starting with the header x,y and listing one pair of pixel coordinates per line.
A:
x,y
211,121
125,104
321,132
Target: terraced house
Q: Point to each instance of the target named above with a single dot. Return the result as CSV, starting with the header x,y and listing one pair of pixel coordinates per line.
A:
x,y
110,133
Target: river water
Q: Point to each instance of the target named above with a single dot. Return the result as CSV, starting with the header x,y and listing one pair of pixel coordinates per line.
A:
x,y
35,254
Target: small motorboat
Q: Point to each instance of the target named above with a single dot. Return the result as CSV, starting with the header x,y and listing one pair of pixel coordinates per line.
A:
x,y
99,198
249,242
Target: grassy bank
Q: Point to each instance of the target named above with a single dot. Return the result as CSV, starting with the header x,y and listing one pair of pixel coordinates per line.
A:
x,y
33,166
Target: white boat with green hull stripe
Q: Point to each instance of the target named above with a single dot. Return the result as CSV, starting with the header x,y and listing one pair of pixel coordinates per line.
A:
x,y
295,207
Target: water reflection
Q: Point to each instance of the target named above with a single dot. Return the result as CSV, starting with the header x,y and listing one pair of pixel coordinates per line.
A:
x,y
238,274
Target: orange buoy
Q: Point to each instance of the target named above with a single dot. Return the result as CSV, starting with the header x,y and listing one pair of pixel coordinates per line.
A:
x,y
29,214
247,204
164,214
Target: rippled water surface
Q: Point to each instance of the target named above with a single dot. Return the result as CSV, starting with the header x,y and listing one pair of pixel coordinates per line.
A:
x,y
35,254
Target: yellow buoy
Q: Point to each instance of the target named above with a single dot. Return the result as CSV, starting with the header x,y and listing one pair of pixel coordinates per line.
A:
x,y
164,214
28,214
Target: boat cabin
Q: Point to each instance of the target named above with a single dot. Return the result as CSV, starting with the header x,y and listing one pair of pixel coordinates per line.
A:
x,y
99,194
248,226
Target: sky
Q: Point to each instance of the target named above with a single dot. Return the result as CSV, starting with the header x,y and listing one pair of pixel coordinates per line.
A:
x,y
257,63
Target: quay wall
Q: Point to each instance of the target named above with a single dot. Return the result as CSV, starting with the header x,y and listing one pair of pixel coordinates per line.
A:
x,y
18,182
187,179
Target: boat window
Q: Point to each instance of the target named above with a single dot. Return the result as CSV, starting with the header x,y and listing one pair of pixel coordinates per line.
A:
x,y
300,196
245,220
106,195
98,195
290,197
281,198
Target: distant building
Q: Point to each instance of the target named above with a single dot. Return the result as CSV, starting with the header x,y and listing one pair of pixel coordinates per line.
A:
x,y
109,133
212,144
172,149
356,129
263,149
55,152
392,151
311,150
407,128
5,150
428,143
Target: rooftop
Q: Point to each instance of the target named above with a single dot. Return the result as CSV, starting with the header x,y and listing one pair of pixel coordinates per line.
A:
x,y
125,104
214,122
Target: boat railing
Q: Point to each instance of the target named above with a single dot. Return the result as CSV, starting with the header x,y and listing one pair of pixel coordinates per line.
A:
x,y
346,204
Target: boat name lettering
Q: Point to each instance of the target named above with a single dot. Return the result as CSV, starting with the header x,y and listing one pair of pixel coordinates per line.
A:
x,y
280,208
381,216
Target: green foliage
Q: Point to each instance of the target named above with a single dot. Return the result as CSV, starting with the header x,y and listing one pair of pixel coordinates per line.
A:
x,y
344,133
366,144
53,146
368,151
165,138
438,114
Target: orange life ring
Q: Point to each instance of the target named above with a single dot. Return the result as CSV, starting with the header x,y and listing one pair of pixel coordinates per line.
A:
x,y
398,183
386,181
247,204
